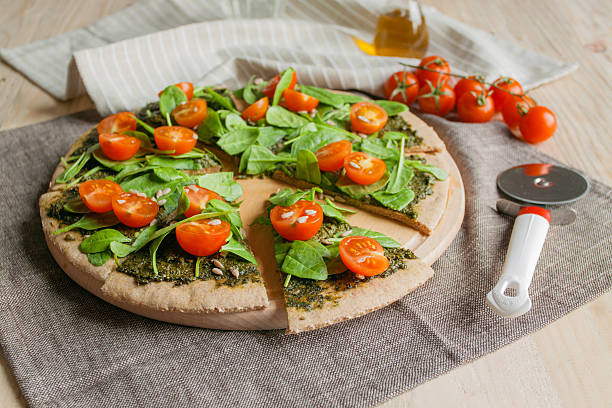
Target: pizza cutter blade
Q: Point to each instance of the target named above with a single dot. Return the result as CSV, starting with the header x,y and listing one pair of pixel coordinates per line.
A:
x,y
536,183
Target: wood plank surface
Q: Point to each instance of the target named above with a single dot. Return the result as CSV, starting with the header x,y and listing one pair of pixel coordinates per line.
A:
x,y
565,364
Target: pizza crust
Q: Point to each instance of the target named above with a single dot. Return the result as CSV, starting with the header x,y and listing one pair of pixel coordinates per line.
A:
x,y
431,141
365,298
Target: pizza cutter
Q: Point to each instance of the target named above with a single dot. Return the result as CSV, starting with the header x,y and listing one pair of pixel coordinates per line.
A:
x,y
542,184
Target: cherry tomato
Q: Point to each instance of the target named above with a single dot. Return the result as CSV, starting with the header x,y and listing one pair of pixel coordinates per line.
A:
x,y
117,123
363,255
198,197
270,87
186,87
364,169
537,169
538,124
403,87
331,157
190,114
436,63
499,96
515,108
438,100
256,110
469,84
475,108
296,101
300,221
117,146
368,118
97,194
177,138
134,210
202,237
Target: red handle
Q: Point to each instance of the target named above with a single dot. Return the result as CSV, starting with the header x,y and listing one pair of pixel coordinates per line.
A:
x,y
542,212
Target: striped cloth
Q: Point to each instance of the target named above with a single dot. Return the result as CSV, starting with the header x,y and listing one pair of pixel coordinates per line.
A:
x,y
124,59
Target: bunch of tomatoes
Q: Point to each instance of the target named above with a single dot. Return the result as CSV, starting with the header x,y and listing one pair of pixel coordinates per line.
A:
x,y
475,100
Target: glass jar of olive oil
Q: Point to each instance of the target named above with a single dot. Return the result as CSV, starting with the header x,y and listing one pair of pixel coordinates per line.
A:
x,y
402,32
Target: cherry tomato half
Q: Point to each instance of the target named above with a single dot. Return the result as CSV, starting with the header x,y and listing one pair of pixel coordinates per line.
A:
x,y
469,84
177,138
499,96
436,63
117,123
270,87
134,210
117,146
515,108
363,255
190,114
475,108
438,100
186,87
368,117
402,86
97,194
364,169
538,124
198,197
202,237
300,221
296,101
256,110
331,157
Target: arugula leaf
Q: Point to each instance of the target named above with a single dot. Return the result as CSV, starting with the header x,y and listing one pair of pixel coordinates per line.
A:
x,y
304,261
357,191
221,100
281,117
269,136
99,258
211,128
101,240
262,159
234,121
169,174
283,83
170,98
221,183
91,222
382,239
307,167
69,173
395,201
391,107
237,141
237,248
437,172
287,197
169,228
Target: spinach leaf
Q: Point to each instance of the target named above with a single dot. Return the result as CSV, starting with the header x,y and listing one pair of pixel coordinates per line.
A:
x,y
392,135
335,206
287,197
147,183
221,100
377,148
120,250
331,212
153,250
307,167
323,95
76,167
244,160
350,98
437,172
401,174
123,250
175,163
337,115
232,217
91,222
281,117
101,240
262,159
169,174
234,121
237,141
319,247
145,141
247,94
283,83
382,239
99,258
167,229
237,248
281,248
395,201
170,98
393,108
211,128
357,191
269,136
304,261
315,136
131,164
183,203
221,183
76,206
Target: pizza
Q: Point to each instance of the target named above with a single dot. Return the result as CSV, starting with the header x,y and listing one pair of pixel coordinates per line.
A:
x,y
147,204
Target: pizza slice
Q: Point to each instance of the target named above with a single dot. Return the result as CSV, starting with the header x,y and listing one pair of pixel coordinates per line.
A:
x,y
332,271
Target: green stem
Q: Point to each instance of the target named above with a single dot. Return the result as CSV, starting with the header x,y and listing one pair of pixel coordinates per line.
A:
x,y
145,126
168,119
287,279
197,269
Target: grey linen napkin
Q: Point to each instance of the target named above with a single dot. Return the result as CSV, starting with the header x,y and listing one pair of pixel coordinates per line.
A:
x,y
118,60
67,348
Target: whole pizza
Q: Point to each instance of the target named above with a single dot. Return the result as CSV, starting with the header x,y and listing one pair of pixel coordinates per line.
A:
x,y
146,206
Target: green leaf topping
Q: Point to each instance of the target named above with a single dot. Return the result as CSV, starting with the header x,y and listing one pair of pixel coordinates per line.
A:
x,y
304,261
101,240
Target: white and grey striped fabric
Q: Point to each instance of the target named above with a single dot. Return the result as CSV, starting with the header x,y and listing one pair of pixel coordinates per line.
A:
x,y
124,59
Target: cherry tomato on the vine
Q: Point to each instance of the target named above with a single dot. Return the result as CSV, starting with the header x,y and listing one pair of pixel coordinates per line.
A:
x,y
198,198
435,63
300,221
117,146
438,100
190,114
470,84
134,210
515,108
475,108
368,117
402,86
256,110
117,123
297,101
97,194
538,124
331,156
364,169
508,84
270,87
180,139
363,255
202,237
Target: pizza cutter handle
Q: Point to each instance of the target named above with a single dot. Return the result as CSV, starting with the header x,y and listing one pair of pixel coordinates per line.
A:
x,y
528,236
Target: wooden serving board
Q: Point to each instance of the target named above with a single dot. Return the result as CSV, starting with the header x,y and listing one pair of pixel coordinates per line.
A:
x,y
256,193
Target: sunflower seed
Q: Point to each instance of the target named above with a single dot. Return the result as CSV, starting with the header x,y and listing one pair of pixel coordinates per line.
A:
x,y
363,118
286,215
154,222
358,276
310,212
346,233
354,165
218,264
162,201
235,272
165,191
217,271
302,219
214,222
325,241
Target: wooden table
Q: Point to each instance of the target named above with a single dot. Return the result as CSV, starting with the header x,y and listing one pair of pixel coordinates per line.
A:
x,y
565,364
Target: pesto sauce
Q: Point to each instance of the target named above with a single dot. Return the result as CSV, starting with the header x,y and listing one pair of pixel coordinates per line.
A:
x,y
399,124
151,115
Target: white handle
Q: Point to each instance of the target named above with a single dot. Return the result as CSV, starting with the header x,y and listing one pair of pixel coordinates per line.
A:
x,y
528,235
